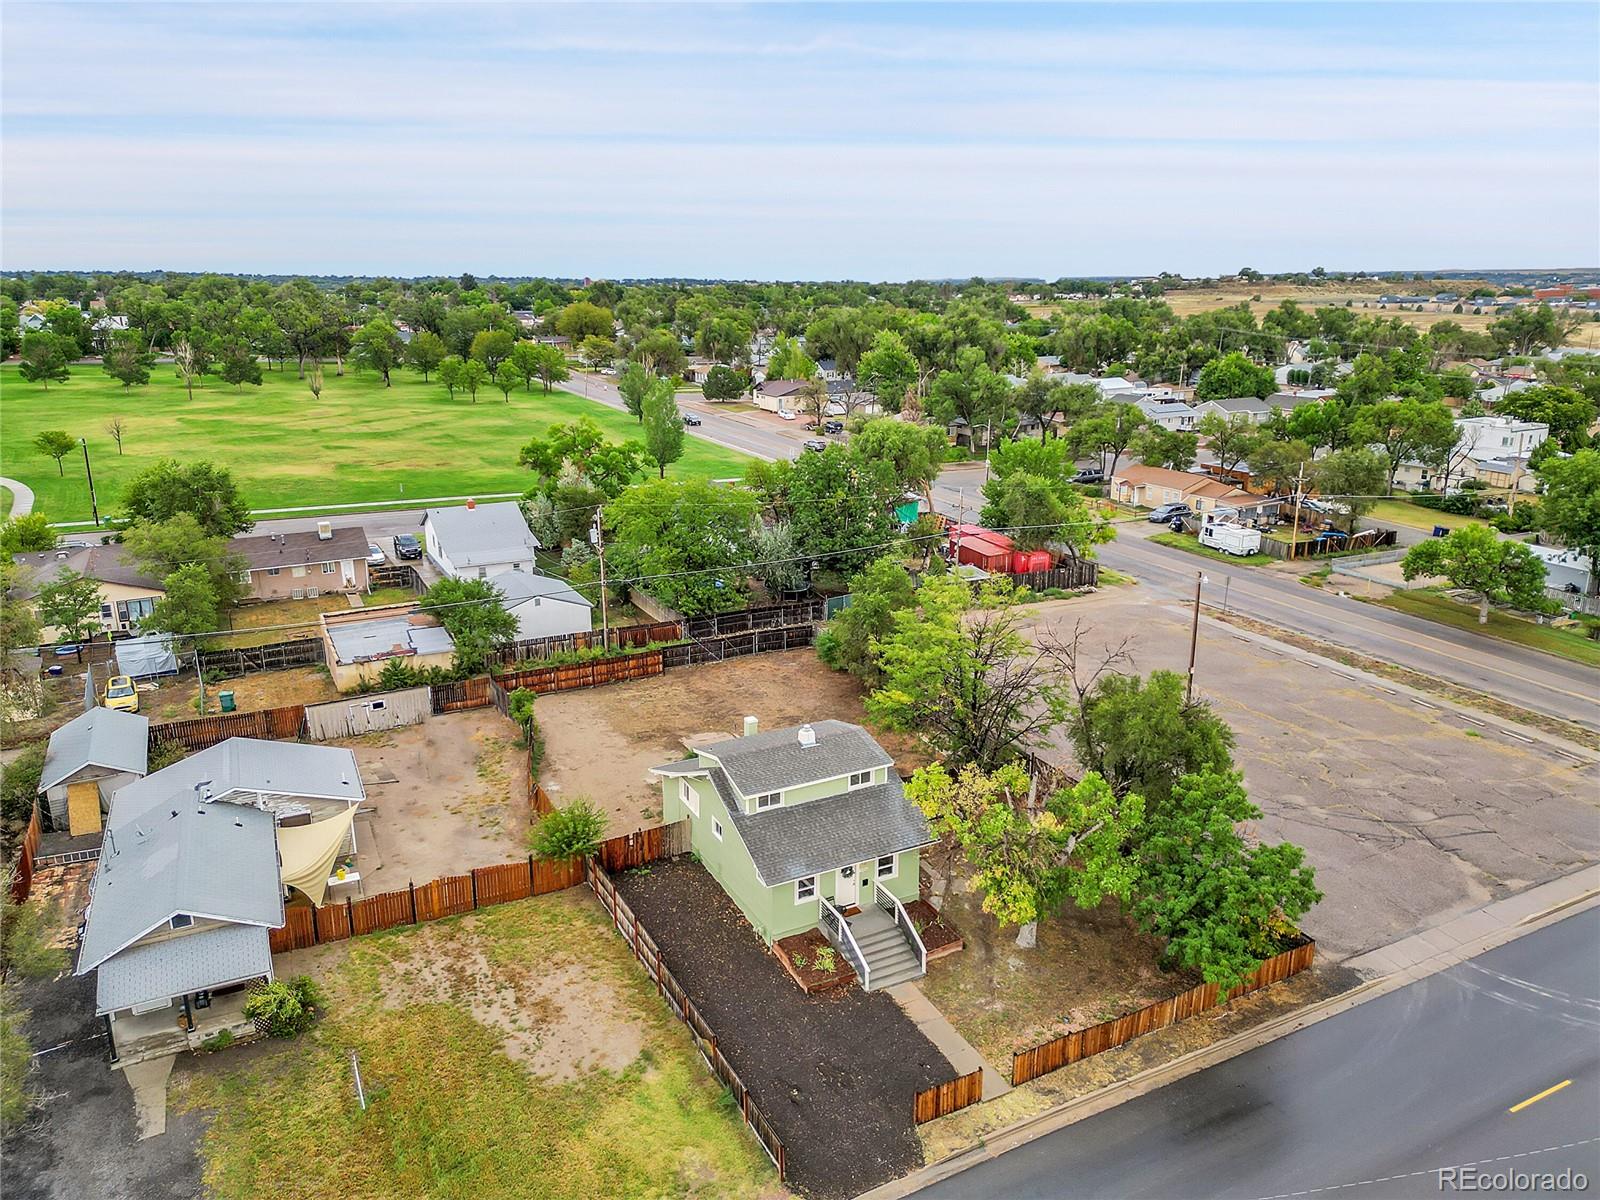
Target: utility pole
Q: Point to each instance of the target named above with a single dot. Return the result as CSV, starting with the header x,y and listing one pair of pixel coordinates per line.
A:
x,y
1294,532
600,548
93,503
961,519
1194,635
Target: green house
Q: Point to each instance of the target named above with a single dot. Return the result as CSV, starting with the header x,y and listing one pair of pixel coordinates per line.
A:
x,y
808,828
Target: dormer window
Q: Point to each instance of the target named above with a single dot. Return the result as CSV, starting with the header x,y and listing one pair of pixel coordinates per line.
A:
x,y
860,779
769,800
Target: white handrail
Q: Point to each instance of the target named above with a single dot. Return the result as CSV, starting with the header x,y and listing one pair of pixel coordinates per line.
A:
x,y
903,919
841,928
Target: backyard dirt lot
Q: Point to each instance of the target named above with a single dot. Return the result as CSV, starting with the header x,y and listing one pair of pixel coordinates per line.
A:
x,y
835,1073
447,795
174,699
1409,814
600,742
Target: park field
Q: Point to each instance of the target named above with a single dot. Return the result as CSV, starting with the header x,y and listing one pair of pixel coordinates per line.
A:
x,y
360,443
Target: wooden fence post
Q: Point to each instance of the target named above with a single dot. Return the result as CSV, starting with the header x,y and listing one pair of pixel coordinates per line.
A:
x,y
473,876
412,888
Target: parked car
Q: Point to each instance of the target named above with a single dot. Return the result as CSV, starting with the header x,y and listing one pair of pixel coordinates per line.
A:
x,y
1089,475
833,427
785,415
690,419
817,444
1168,512
407,545
121,694
375,555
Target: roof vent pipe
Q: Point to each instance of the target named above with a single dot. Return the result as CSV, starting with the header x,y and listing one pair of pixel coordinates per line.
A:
x,y
807,735
751,726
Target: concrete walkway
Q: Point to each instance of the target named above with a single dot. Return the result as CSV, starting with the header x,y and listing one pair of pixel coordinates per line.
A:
x,y
21,496
963,1056
148,1080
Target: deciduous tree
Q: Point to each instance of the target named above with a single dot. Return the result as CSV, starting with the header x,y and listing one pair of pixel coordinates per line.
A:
x,y
56,444
377,347
847,642
205,491
684,542
1571,505
70,604
1231,439
663,426
1234,374
425,352
127,359
1475,559
45,356
472,611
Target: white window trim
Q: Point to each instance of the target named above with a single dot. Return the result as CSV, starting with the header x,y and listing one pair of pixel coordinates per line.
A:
x,y
800,897
859,779
716,829
690,797
894,867
775,798
328,568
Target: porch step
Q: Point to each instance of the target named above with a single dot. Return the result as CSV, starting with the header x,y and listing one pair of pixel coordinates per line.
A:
x,y
887,979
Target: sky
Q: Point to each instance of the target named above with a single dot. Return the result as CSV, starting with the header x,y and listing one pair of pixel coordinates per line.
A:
x,y
870,141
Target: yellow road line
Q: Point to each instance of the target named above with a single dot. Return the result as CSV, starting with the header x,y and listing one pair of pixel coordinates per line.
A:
x,y
1549,1091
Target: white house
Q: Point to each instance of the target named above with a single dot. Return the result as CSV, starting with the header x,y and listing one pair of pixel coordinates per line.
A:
x,y
1565,570
1493,450
543,605
479,541
1501,437
1168,414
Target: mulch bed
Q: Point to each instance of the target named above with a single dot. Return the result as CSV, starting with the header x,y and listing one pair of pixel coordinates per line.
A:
x,y
938,936
798,954
835,1072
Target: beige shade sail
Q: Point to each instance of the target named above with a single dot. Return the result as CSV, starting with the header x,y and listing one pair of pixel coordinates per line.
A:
x,y
308,852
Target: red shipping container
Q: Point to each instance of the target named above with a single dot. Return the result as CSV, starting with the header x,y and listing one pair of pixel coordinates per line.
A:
x,y
1019,562
1040,560
981,552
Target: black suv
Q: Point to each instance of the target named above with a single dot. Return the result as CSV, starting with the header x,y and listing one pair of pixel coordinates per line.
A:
x,y
1089,475
407,546
833,427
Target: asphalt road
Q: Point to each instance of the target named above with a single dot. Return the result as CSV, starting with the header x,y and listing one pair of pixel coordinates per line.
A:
x,y
1369,1103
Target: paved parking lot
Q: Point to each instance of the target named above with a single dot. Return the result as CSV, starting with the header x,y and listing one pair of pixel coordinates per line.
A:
x,y
1410,814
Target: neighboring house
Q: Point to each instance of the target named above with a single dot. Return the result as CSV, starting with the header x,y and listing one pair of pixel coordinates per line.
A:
x,y
356,644
1565,570
293,566
479,541
1168,414
177,924
543,605
775,394
1151,487
127,594
1257,409
1292,399
87,761
802,827
1503,436
1492,450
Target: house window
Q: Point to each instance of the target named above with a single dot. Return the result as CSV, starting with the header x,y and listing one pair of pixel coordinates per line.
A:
x,y
297,572
690,797
886,867
516,566
181,921
327,568
805,889
274,571
244,578
860,779
716,829
483,572
769,800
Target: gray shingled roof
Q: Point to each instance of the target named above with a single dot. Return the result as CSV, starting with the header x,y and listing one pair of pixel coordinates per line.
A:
x,y
518,587
177,966
247,765
206,860
110,563
769,762
796,840
484,534
101,737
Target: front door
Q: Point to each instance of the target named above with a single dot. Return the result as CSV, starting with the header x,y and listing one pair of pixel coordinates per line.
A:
x,y
846,887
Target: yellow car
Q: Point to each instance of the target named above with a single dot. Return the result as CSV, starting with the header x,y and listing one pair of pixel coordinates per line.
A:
x,y
121,694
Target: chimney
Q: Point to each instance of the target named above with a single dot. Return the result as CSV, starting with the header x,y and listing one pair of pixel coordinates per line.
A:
x,y
325,531
751,726
807,735
471,504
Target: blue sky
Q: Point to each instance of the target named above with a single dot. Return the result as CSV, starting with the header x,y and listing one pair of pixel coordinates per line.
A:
x,y
771,141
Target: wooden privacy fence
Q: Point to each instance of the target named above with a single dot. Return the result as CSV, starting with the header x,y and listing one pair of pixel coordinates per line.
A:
x,y
799,612
463,694
276,656
21,882
1075,573
479,888
592,673
622,636
648,953
1069,1048
278,724
945,1098
737,645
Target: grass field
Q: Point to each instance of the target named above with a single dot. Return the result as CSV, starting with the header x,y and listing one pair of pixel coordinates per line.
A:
x,y
1182,541
6,500
518,1052
1501,625
361,442
1403,512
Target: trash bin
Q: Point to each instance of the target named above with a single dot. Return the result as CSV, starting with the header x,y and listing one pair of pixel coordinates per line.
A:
x,y
1440,531
226,700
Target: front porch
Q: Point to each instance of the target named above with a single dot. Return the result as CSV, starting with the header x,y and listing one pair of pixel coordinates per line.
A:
x,y
139,1037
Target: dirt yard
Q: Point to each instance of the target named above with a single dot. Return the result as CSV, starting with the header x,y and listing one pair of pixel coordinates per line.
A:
x,y
173,699
600,742
445,796
835,1072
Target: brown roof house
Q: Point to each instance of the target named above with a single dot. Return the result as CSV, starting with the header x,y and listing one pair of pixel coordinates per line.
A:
x,y
1151,487
127,594
298,566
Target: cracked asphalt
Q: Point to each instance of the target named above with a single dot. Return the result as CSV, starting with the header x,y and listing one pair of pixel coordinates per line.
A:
x,y
1410,814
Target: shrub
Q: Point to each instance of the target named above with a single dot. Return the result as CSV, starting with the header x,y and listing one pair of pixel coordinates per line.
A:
x,y
20,784
1461,504
285,1007
571,832
165,753
219,1040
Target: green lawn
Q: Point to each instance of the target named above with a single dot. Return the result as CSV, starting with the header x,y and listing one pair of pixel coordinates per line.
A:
x,y
1182,541
360,443
1403,512
6,499
516,1054
1501,625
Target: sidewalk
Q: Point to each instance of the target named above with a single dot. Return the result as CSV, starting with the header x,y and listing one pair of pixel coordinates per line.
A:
x,y
963,1056
1389,968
